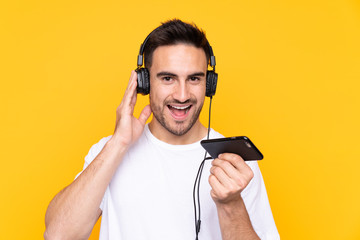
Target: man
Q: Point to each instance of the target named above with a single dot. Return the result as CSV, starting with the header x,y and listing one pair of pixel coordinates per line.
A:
x,y
141,178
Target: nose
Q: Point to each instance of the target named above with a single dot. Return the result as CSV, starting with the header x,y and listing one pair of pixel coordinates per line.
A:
x,y
182,91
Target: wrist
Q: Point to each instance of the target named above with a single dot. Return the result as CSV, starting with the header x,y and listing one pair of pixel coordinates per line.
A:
x,y
117,146
231,207
119,141
234,220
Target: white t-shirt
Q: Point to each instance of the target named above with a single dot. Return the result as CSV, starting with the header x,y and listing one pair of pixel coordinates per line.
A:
x,y
150,197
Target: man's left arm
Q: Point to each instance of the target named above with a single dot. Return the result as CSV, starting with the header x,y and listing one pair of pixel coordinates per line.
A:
x,y
229,177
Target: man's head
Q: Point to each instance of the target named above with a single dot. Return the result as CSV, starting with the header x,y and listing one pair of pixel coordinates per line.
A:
x,y
177,55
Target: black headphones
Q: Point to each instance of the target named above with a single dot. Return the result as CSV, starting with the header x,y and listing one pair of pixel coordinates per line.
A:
x,y
143,78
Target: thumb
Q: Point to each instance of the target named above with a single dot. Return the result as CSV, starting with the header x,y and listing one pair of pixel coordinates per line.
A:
x,y
145,114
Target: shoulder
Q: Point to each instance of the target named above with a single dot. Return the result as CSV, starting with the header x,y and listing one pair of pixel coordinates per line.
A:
x,y
96,149
215,134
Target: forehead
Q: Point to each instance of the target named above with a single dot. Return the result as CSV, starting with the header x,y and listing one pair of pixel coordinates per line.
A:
x,y
179,57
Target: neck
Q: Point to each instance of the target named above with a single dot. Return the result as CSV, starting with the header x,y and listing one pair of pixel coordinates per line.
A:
x,y
196,133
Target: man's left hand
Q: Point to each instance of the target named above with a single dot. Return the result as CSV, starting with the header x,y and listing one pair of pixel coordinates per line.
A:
x,y
229,177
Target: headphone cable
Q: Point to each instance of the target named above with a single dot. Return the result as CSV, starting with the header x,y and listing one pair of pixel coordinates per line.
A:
x,y
196,189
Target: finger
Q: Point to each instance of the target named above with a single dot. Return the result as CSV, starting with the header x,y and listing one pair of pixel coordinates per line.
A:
x,y
134,94
131,77
145,114
130,93
215,184
223,178
236,160
131,80
240,165
227,167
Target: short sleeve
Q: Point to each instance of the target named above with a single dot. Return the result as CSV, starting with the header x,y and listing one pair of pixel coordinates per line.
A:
x,y
93,152
258,207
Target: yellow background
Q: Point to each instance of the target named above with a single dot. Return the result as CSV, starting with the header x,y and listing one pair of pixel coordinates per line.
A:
x,y
289,75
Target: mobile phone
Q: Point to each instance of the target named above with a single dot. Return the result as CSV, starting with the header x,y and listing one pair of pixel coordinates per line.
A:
x,y
241,146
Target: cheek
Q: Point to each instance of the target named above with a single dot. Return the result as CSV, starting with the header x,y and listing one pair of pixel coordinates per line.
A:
x,y
154,105
159,93
157,99
200,92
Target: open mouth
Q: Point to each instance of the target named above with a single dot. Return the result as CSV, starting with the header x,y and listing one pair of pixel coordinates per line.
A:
x,y
179,112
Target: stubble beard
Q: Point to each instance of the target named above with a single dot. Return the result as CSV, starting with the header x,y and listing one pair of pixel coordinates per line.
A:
x,y
180,129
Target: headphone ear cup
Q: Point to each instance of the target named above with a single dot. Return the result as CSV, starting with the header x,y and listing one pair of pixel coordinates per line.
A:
x,y
211,82
143,81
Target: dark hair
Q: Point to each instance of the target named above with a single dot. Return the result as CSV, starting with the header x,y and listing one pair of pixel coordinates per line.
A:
x,y
173,32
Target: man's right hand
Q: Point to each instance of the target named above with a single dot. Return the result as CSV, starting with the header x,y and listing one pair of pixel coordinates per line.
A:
x,y
128,128
74,211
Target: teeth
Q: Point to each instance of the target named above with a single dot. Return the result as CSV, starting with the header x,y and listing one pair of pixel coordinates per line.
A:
x,y
181,108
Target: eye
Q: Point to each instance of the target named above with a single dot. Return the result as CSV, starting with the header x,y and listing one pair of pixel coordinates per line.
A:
x,y
194,78
167,79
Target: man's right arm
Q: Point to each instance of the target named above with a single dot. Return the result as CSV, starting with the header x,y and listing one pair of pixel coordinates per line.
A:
x,y
74,211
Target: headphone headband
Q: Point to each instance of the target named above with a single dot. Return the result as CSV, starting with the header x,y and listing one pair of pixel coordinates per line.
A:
x,y
142,48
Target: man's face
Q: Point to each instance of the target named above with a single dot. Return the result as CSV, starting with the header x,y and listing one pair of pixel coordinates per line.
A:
x,y
177,86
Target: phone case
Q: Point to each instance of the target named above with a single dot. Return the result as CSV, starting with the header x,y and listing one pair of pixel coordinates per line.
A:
x,y
239,145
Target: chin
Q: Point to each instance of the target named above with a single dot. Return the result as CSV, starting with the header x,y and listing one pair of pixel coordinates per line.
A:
x,y
180,130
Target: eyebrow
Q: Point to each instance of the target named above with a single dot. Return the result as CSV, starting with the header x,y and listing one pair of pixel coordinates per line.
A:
x,y
160,74
197,74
